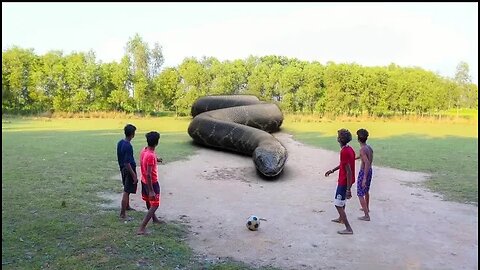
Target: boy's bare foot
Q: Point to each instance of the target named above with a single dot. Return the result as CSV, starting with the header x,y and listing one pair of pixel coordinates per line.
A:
x,y
337,220
361,209
131,209
142,232
364,218
345,232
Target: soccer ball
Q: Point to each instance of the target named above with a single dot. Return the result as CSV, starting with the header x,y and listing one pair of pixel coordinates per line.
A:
x,y
253,223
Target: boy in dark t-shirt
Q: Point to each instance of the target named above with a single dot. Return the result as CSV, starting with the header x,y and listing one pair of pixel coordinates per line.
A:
x,y
127,165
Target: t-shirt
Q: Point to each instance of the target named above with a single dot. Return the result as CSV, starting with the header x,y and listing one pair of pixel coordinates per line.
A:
x,y
347,156
125,154
148,157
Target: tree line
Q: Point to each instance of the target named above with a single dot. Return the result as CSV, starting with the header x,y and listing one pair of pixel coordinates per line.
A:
x,y
77,82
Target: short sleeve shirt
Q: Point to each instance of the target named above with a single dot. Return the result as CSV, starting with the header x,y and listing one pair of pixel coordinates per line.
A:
x,y
347,156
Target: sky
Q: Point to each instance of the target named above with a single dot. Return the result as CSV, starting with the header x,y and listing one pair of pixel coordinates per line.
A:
x,y
433,36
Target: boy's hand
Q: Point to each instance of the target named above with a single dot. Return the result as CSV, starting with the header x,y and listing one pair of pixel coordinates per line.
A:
x,y
349,194
159,159
135,179
328,173
151,195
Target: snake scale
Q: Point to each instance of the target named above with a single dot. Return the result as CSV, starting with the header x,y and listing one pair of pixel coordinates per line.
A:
x,y
240,123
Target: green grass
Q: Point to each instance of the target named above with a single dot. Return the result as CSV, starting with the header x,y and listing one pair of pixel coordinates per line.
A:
x,y
447,151
52,171
467,113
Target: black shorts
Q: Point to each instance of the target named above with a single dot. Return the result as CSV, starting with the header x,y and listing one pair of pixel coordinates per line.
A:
x,y
127,181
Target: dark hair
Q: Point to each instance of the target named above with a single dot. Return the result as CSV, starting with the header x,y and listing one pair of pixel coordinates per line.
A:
x,y
362,135
344,136
152,138
129,130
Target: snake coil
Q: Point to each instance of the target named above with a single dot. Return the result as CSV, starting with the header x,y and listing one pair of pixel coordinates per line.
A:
x,y
243,124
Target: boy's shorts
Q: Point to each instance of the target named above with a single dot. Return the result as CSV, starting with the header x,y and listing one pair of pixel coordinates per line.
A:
x,y
340,196
127,181
156,189
360,190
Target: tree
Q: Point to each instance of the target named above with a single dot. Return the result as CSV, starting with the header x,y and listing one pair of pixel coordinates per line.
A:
x,y
166,86
145,64
467,92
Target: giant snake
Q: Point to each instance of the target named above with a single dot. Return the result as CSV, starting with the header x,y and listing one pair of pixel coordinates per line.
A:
x,y
242,124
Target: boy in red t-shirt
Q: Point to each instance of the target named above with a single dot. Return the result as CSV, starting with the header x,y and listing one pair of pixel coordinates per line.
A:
x,y
150,185
345,178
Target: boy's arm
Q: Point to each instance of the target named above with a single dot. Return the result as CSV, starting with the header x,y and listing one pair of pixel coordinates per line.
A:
x,y
348,170
149,181
367,167
131,170
332,171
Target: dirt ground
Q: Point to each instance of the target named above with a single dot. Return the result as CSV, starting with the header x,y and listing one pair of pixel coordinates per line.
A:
x,y
214,192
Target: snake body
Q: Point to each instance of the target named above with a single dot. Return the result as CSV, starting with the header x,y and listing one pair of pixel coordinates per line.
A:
x,y
241,124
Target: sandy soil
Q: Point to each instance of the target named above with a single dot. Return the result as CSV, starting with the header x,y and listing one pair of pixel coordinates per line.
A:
x,y
214,192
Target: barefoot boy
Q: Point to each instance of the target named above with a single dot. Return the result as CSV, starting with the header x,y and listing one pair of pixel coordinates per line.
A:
x,y
150,185
128,168
345,178
365,174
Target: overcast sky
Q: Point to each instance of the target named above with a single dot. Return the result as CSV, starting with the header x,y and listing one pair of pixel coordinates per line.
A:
x,y
434,36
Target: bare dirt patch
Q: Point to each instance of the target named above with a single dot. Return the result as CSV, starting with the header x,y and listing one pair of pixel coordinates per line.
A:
x,y
215,192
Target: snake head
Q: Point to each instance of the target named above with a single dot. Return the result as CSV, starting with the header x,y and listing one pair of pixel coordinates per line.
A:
x,y
269,159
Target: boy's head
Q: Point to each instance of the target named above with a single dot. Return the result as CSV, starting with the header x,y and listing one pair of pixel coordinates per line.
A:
x,y
129,130
152,138
362,135
344,136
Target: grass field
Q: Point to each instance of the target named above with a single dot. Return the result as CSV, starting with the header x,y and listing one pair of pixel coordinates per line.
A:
x,y
52,170
447,151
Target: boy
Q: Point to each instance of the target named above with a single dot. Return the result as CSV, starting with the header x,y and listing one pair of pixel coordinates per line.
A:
x,y
345,178
128,167
365,174
150,185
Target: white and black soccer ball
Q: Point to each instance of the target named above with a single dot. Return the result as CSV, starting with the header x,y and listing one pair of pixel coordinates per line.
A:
x,y
253,223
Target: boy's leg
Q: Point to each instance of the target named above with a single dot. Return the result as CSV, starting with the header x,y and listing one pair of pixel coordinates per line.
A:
x,y
128,187
363,203
339,201
124,205
124,202
339,219
150,214
367,191
343,217
155,218
129,208
156,202
362,193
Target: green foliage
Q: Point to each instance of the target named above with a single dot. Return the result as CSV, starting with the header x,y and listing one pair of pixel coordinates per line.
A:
x,y
77,83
